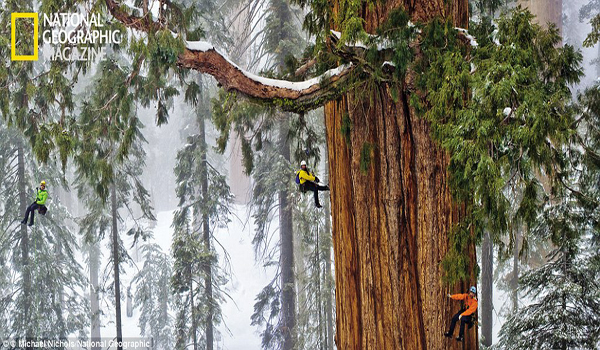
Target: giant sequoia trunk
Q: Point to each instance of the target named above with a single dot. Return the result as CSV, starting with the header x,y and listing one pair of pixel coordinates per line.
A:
x,y
391,224
328,281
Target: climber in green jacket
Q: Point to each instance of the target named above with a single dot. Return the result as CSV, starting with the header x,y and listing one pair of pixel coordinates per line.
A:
x,y
39,204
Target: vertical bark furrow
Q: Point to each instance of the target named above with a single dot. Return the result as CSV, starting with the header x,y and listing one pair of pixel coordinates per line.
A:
x,y
388,156
377,175
391,226
414,180
366,211
346,262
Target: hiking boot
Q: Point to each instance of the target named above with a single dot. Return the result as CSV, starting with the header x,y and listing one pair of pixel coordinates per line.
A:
x,y
448,335
459,338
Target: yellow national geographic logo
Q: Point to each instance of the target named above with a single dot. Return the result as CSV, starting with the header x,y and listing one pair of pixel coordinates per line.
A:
x,y
13,38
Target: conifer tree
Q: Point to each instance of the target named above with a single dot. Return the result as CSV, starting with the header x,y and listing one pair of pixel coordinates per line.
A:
x,y
109,164
154,298
271,170
204,200
313,270
41,296
564,312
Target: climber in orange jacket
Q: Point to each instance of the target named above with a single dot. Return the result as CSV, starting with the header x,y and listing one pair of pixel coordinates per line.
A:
x,y
464,315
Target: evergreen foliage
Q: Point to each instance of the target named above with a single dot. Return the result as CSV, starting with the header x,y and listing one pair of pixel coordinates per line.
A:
x,y
271,176
565,309
154,298
42,295
42,103
196,262
497,132
593,38
564,312
591,11
109,160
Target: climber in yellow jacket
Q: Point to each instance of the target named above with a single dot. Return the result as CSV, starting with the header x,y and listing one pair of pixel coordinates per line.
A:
x,y
309,182
464,315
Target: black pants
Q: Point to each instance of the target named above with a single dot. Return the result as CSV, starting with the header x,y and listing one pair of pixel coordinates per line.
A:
x,y
463,320
31,210
311,186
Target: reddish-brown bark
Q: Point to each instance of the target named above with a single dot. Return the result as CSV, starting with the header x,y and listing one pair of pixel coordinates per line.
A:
x,y
391,224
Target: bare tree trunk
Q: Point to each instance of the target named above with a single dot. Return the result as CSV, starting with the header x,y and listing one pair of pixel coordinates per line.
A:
x,y
57,304
546,11
208,288
391,225
25,262
129,307
515,273
115,253
194,318
487,288
302,281
95,299
288,288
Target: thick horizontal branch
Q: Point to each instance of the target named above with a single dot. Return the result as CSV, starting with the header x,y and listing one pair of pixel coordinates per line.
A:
x,y
289,96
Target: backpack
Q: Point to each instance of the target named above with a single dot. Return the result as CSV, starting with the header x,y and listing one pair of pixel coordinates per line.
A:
x,y
42,209
298,178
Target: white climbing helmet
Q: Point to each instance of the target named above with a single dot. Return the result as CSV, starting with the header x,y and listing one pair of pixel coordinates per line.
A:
x,y
303,163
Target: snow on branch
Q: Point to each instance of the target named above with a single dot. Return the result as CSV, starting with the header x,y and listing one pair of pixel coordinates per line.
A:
x,y
292,96
289,96
467,36
203,46
387,45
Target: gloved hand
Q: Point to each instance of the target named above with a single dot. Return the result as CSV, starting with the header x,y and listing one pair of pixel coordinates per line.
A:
x,y
449,295
459,317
